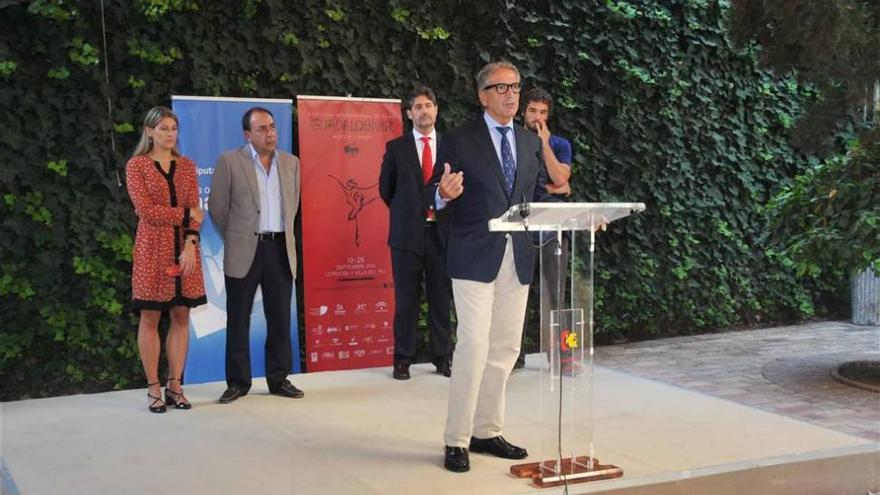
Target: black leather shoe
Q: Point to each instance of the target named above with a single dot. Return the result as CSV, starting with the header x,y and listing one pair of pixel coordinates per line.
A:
x,y
497,446
456,459
401,371
231,394
444,366
286,389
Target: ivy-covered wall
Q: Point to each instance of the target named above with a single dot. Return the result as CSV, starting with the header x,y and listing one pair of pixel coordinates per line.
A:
x,y
659,106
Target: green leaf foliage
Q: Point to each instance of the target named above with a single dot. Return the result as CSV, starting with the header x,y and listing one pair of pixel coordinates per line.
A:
x,y
83,53
59,167
828,221
659,105
834,44
7,67
59,73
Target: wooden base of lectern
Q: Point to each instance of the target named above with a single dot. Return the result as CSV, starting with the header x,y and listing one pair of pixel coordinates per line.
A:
x,y
576,472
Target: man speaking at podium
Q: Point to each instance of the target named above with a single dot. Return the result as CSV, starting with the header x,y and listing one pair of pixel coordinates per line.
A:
x,y
482,169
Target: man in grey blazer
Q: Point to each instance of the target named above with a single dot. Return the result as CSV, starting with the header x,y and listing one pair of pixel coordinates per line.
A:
x,y
253,200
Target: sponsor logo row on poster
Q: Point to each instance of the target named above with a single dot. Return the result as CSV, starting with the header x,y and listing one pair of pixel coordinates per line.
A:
x,y
339,309
335,340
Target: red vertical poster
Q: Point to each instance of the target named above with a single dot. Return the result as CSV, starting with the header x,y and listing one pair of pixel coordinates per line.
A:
x,y
348,284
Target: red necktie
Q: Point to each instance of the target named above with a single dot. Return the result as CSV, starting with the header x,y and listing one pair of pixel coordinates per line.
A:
x,y
427,159
427,166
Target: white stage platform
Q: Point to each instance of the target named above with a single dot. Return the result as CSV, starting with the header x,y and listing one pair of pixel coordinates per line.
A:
x,y
361,432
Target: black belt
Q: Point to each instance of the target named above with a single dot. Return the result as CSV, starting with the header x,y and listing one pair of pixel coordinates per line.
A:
x,y
269,236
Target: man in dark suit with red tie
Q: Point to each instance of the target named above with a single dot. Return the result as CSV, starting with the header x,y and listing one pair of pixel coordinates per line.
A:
x,y
483,168
416,238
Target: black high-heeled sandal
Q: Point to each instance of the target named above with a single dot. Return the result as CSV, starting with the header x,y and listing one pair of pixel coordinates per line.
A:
x,y
153,407
176,399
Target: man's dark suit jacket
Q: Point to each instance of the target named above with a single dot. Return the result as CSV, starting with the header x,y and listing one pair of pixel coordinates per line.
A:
x,y
402,188
472,252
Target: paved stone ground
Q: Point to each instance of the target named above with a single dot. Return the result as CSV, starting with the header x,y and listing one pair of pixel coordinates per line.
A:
x,y
784,370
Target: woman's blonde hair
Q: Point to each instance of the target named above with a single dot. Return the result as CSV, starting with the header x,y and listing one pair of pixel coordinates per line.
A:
x,y
151,120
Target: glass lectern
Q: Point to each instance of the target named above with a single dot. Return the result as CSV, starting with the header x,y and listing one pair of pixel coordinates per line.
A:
x,y
565,405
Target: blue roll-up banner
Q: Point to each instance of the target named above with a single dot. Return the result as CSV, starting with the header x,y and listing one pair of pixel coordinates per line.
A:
x,y
208,127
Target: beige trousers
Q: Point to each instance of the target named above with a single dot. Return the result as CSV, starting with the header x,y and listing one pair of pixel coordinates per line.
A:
x,y
490,320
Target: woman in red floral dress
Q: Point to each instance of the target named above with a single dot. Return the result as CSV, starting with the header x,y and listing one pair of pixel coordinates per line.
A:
x,y
166,271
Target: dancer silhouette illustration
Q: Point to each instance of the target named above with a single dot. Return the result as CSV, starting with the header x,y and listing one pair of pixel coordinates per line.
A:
x,y
357,198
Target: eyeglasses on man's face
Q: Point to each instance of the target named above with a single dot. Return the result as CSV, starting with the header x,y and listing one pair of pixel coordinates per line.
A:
x,y
502,88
